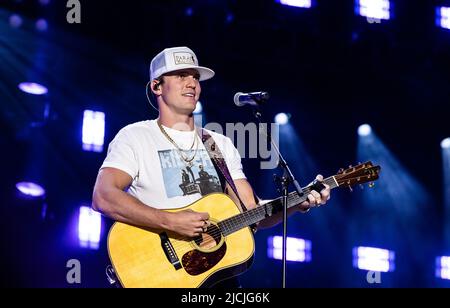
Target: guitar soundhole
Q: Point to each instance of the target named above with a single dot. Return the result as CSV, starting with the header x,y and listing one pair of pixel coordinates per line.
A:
x,y
209,239
208,254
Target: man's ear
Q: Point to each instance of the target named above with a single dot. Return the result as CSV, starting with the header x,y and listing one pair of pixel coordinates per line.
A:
x,y
155,86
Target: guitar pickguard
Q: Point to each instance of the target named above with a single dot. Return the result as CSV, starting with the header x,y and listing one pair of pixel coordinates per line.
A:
x,y
198,261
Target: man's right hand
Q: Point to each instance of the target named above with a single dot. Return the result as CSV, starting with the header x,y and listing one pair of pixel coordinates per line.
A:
x,y
188,223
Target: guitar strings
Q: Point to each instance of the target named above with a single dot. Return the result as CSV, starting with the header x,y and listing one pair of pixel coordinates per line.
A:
x,y
240,219
187,241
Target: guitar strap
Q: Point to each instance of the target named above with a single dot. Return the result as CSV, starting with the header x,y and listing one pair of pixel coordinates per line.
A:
x,y
219,161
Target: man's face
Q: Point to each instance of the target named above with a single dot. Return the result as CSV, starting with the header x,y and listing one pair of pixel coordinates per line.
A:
x,y
181,90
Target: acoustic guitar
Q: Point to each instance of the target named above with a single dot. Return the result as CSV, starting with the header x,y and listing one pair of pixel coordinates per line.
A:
x,y
148,258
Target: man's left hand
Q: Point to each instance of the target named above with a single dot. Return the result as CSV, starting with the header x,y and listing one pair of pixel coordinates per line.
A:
x,y
316,199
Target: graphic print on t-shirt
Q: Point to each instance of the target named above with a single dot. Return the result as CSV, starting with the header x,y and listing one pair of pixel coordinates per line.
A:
x,y
182,180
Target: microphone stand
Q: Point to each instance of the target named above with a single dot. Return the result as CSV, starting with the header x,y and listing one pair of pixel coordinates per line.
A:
x,y
287,179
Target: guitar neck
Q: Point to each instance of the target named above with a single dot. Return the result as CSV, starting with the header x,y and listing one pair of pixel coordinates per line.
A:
x,y
250,217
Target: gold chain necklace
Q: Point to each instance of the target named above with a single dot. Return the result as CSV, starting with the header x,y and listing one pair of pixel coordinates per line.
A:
x,y
179,149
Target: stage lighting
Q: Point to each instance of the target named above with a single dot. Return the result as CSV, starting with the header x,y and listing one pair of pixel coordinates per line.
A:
x,y
33,88
282,118
443,17
364,130
296,3
445,144
189,11
41,25
373,259
229,18
198,108
29,189
443,267
376,9
15,21
298,250
89,228
93,131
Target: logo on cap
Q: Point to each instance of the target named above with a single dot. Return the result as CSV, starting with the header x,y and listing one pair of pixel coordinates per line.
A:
x,y
184,58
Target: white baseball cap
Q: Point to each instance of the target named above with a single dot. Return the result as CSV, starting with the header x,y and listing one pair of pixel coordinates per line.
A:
x,y
177,58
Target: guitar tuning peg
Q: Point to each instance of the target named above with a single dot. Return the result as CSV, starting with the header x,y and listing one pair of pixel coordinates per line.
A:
x,y
350,166
361,186
341,171
351,189
372,185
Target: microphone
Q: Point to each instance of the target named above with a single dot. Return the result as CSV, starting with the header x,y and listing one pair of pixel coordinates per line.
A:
x,y
252,98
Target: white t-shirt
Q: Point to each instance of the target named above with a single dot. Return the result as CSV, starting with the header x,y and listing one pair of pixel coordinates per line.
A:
x,y
161,179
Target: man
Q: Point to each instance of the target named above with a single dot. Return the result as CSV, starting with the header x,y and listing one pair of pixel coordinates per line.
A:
x,y
203,175
140,173
185,181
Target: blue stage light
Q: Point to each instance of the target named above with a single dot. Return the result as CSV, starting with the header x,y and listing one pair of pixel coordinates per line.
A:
x,y
31,189
443,17
373,9
282,118
33,88
89,228
364,130
443,267
93,131
15,21
298,250
373,259
296,3
41,25
445,144
189,11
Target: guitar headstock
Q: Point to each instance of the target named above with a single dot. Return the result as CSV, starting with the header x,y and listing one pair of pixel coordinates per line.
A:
x,y
363,173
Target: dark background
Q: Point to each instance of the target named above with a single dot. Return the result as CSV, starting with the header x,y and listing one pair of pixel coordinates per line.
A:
x,y
326,66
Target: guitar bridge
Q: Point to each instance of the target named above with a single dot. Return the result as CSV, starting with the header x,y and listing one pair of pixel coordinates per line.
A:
x,y
169,251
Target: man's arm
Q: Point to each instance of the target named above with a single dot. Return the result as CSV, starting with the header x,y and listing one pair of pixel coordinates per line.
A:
x,y
110,199
247,196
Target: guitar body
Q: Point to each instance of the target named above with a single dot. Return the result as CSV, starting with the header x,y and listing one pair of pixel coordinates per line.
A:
x,y
149,258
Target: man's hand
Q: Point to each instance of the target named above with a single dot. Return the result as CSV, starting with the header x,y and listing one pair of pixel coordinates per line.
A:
x,y
316,199
188,223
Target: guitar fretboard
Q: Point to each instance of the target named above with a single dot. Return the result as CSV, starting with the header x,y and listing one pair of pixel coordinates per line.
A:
x,y
250,217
